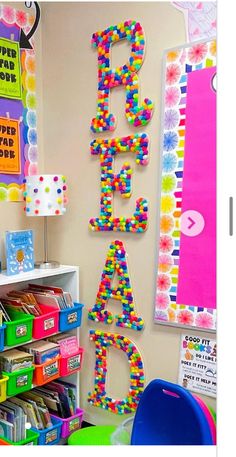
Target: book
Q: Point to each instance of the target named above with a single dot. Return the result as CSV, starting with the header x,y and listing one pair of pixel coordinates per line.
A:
x,y
5,315
26,300
8,415
42,351
68,343
15,360
6,429
28,410
19,421
19,251
63,298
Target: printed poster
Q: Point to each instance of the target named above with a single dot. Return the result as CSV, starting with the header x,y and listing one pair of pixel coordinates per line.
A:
x,y
18,119
9,146
10,69
200,19
197,367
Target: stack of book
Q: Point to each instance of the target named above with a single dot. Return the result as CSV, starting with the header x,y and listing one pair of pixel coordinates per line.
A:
x,y
15,360
28,300
59,397
68,343
12,420
42,351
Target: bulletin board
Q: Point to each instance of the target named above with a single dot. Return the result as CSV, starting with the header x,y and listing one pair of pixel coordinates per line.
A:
x,y
186,271
18,130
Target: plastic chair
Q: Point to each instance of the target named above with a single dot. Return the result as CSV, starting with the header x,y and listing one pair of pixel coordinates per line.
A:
x,y
168,414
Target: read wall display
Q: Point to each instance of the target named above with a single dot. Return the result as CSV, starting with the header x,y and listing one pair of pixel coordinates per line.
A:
x,y
186,279
18,132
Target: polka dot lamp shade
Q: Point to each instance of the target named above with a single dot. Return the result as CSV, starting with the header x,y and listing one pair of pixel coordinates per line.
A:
x,y
45,195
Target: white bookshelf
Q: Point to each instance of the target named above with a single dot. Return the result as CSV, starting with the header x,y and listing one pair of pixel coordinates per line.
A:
x,y
65,276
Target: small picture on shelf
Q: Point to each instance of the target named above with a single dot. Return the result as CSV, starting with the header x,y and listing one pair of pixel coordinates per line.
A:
x,y
19,251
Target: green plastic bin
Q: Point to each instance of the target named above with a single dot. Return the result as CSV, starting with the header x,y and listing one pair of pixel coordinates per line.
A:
x,y
19,330
19,381
97,435
31,439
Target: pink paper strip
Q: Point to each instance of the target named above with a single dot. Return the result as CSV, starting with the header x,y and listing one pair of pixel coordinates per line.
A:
x,y
197,265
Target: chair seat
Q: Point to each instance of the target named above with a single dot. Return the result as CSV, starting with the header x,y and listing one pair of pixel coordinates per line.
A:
x,y
92,436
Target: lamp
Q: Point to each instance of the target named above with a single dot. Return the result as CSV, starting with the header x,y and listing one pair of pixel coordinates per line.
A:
x,y
45,196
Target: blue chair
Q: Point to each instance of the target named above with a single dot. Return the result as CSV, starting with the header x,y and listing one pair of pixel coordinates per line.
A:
x,y
168,414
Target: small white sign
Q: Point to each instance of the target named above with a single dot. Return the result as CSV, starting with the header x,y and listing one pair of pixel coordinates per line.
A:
x,y
197,367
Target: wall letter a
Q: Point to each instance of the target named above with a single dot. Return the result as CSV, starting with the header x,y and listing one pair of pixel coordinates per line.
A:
x,y
116,263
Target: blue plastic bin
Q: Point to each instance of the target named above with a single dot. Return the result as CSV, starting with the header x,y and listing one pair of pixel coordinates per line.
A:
x,y
2,330
168,414
70,318
50,435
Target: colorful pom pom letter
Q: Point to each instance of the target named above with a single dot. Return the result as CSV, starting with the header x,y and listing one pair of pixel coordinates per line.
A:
x,y
116,262
98,397
110,182
125,75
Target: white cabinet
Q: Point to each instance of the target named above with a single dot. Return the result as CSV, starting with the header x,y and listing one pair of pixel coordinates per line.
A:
x,y
64,276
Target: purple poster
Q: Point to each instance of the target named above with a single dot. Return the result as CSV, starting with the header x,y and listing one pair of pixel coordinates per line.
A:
x,y
18,132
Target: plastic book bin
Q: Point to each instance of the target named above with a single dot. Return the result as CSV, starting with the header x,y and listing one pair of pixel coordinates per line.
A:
x,y
47,371
3,388
97,435
72,423
2,329
71,363
168,414
70,318
19,381
31,439
19,329
47,324
4,443
50,435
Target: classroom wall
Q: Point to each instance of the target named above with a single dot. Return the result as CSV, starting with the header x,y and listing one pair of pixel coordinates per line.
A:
x,y
68,75
12,215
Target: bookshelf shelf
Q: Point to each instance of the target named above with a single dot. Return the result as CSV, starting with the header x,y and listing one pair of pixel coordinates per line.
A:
x,y
8,348
66,277
36,274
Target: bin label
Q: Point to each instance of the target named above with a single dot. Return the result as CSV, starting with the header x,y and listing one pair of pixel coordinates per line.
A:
x,y
51,369
21,330
22,380
74,424
49,323
71,318
74,362
51,436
